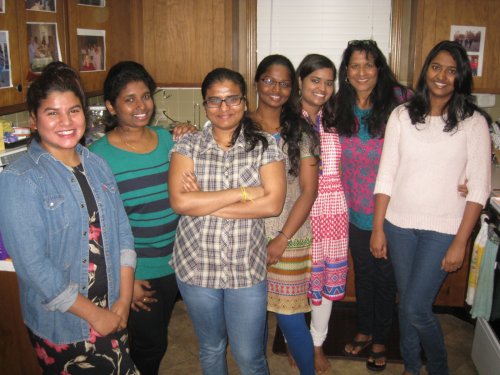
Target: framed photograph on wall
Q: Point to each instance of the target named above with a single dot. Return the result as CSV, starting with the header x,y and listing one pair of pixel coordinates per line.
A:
x,y
95,3
40,5
2,6
5,72
472,39
43,46
92,49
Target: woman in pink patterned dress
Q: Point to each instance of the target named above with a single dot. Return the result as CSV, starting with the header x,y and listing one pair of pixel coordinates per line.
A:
x,y
329,215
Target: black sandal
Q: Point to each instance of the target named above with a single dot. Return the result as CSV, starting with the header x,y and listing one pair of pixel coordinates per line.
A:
x,y
371,362
362,345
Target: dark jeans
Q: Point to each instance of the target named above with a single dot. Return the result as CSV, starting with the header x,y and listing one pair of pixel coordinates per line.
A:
x,y
375,287
148,330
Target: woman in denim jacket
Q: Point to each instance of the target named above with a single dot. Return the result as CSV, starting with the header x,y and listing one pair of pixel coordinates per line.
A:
x,y
63,223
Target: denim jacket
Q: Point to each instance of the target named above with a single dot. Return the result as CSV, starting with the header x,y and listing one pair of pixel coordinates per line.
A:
x,y
44,224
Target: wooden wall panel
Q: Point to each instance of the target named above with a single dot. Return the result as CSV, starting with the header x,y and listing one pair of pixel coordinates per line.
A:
x,y
434,19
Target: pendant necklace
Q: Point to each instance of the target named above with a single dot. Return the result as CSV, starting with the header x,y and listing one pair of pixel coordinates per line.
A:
x,y
125,141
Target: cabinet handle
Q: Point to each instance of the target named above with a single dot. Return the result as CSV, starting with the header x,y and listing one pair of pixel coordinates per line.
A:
x,y
19,87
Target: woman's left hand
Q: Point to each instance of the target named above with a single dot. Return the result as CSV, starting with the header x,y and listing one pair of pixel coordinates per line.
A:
x,y
454,257
122,309
183,128
275,249
189,182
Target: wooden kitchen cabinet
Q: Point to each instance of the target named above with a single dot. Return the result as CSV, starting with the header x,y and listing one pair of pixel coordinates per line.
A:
x,y
116,19
182,40
14,21
433,21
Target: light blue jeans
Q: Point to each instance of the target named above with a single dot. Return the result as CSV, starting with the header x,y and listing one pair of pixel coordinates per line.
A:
x,y
416,257
237,314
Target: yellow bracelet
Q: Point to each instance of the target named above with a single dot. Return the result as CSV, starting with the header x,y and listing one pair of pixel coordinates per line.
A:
x,y
244,194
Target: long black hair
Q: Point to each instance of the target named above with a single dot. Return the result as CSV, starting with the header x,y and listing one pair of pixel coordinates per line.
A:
x,y
119,76
461,105
250,129
292,126
308,65
385,96
56,76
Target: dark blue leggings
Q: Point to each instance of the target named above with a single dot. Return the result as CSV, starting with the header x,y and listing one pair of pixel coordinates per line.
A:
x,y
299,341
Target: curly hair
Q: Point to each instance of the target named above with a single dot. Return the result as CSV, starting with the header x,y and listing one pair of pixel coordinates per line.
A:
x,y
251,131
461,105
384,97
292,125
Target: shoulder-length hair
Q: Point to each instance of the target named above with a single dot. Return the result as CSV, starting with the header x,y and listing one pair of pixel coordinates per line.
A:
x,y
384,97
250,129
461,105
292,126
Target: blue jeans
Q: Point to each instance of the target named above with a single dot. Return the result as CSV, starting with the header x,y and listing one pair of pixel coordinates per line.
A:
x,y
416,257
237,314
299,341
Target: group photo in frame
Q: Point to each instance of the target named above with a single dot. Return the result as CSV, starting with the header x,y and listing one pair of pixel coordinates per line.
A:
x,y
43,46
472,39
92,49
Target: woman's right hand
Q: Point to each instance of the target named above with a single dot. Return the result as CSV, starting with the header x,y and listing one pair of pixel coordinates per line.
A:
x,y
378,244
142,295
106,322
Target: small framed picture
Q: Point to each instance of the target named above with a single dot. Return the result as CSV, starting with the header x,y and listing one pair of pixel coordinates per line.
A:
x,y
2,6
43,46
40,5
92,49
94,3
472,39
5,73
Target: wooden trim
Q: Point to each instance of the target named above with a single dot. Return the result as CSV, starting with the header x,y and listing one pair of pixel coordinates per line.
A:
x,y
396,39
251,52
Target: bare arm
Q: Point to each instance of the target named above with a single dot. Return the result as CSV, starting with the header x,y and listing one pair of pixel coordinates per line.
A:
x,y
308,180
198,203
122,305
273,181
454,257
378,242
102,320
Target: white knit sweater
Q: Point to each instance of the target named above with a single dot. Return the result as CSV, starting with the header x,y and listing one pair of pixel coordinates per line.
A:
x,y
422,166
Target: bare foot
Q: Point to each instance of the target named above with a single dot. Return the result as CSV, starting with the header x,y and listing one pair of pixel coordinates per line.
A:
x,y
291,361
321,363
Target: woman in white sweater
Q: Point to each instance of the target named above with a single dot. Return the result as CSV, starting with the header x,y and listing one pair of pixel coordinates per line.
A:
x,y
440,139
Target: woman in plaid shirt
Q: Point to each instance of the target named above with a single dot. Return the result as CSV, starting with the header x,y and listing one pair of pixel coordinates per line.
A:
x,y
223,181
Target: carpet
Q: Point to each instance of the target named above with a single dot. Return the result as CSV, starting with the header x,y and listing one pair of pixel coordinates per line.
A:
x,y
341,330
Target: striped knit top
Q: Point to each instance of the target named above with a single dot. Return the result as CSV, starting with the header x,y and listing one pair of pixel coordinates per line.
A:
x,y
142,181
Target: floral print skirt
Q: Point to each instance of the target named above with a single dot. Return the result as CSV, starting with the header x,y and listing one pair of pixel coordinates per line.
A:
x,y
106,355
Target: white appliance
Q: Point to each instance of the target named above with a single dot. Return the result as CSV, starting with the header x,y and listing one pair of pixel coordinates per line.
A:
x,y
485,349
9,155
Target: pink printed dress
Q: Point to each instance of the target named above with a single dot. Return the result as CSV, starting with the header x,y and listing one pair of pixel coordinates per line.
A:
x,y
330,223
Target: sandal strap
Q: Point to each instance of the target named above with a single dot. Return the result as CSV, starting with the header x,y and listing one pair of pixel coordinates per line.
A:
x,y
378,355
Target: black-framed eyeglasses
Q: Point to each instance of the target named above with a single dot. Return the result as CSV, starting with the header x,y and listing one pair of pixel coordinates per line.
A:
x,y
364,42
231,101
272,83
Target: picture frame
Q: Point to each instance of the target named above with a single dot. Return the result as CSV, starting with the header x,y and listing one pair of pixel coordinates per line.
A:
x,y
91,50
5,63
40,5
472,39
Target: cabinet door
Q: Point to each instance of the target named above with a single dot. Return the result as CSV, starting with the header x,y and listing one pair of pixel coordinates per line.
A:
x,y
434,20
114,22
11,94
15,21
184,39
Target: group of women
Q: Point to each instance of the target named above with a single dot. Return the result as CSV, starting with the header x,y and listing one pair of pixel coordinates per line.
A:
x,y
253,213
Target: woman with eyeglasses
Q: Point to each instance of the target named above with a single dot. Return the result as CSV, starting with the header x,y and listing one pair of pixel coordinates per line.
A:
x,y
223,181
316,76
289,235
368,92
432,143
